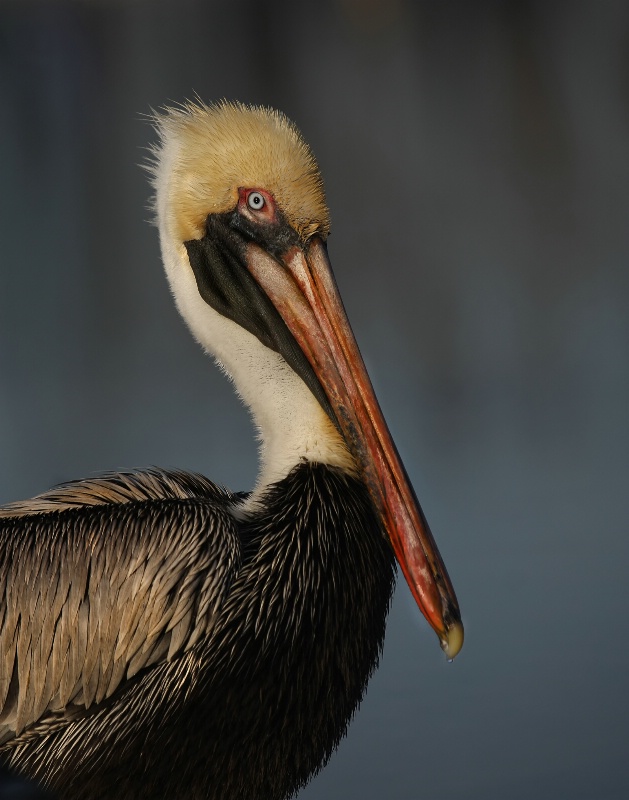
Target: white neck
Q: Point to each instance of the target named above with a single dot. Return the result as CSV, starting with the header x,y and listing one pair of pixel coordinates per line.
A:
x,y
292,425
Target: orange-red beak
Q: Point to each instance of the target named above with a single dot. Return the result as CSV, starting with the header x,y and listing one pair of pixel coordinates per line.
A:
x,y
302,288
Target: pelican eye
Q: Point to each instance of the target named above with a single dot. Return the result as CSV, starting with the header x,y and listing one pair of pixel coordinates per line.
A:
x,y
255,201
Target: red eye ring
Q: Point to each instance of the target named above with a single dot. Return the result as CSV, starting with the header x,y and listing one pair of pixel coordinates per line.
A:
x,y
257,205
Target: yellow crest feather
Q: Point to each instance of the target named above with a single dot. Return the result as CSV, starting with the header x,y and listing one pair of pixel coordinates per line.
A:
x,y
221,148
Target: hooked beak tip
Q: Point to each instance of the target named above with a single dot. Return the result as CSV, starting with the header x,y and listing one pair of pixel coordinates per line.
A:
x,y
452,641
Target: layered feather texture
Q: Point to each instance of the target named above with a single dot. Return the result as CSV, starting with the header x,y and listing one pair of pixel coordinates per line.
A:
x,y
286,627
102,579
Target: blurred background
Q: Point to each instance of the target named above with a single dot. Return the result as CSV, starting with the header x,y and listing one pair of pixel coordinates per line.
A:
x,y
476,158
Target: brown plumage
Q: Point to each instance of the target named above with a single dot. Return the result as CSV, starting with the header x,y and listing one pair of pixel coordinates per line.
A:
x,y
116,584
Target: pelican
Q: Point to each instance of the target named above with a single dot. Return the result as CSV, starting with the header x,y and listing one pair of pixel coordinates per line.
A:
x,y
163,637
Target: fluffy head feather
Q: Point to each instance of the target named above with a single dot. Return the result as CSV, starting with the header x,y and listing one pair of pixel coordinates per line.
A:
x,y
215,150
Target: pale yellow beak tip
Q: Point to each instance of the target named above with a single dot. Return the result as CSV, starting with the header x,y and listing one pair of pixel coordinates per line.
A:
x,y
452,643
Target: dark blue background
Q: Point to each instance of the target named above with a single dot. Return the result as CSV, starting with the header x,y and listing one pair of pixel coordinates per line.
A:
x,y
476,157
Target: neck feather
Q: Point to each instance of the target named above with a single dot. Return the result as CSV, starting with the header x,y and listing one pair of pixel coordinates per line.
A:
x,y
292,426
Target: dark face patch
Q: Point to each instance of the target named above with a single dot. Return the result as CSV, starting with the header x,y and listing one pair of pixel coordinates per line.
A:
x,y
218,261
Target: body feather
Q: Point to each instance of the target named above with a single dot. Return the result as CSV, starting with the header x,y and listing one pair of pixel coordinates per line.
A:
x,y
165,648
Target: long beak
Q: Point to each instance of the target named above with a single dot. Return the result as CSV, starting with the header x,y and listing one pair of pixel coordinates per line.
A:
x,y
302,288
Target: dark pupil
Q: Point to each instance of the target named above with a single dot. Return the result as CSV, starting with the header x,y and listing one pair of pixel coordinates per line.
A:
x,y
257,200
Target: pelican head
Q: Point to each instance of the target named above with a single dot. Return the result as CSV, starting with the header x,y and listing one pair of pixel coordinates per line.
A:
x,y
243,223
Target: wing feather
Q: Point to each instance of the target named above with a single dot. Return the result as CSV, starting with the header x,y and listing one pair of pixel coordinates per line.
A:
x,y
6,668
103,579
180,633
118,672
